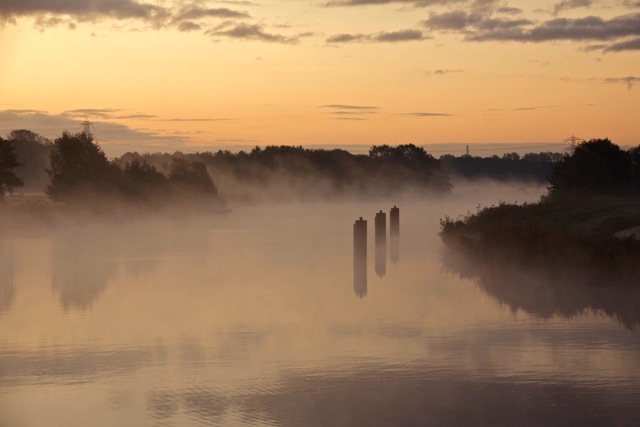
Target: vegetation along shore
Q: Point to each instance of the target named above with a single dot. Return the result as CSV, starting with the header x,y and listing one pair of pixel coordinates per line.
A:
x,y
576,231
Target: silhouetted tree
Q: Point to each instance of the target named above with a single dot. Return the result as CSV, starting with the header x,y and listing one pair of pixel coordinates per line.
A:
x,y
192,176
141,180
409,164
8,179
32,152
595,167
79,168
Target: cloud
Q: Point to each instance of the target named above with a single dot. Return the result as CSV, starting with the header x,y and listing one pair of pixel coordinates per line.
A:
x,y
193,120
570,4
580,29
91,112
509,10
136,116
447,71
381,37
350,107
350,112
199,13
108,134
633,44
544,107
346,113
629,80
416,3
249,32
483,27
427,114
83,10
460,20
187,26
51,13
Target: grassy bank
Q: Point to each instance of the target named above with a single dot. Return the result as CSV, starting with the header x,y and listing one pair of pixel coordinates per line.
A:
x,y
560,238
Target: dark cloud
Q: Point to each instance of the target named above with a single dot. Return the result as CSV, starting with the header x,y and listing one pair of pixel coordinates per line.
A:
x,y
381,37
481,26
199,13
633,44
509,10
629,80
416,3
250,32
51,13
398,36
83,10
346,38
580,29
570,4
186,26
460,20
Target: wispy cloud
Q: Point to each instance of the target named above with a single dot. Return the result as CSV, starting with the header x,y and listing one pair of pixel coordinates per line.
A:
x,y
52,125
416,3
350,107
350,112
633,44
536,108
244,31
193,120
420,114
629,80
570,4
444,71
380,37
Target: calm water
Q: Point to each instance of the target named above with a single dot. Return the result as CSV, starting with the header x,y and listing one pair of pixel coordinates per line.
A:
x,y
254,319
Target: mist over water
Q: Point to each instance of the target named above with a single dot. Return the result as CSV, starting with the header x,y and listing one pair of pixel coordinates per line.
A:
x,y
254,318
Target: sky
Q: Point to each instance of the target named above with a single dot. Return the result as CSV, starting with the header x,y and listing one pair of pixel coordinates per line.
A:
x,y
198,75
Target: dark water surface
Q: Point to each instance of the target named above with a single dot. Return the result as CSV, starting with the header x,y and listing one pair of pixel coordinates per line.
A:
x,y
253,319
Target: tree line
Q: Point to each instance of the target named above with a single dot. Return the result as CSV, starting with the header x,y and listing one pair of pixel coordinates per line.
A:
x,y
74,167
78,171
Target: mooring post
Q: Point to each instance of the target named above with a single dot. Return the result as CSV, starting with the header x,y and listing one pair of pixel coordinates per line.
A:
x,y
381,243
360,257
394,234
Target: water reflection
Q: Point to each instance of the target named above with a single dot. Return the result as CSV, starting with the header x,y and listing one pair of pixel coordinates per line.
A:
x,y
7,287
87,259
544,293
83,263
381,243
360,257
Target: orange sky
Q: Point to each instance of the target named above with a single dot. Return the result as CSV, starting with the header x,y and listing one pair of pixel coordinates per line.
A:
x,y
185,75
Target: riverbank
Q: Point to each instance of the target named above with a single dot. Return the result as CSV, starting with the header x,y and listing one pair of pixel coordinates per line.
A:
x,y
559,237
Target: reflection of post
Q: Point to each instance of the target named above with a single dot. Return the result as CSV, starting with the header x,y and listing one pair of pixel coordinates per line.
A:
x,y
394,234
381,243
360,257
